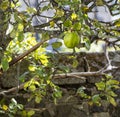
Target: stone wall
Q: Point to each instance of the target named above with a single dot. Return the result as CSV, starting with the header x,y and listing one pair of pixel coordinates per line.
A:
x,y
71,105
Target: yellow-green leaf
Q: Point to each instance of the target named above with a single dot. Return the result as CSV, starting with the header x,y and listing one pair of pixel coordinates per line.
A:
x,y
31,10
4,4
37,99
74,16
32,68
100,85
20,27
77,26
112,101
52,23
32,88
30,113
59,13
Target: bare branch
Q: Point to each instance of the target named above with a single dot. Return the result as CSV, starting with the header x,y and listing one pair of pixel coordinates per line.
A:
x,y
12,89
79,74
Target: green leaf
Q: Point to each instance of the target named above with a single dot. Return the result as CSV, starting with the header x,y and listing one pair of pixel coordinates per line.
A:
x,y
26,85
23,76
10,115
20,27
45,36
24,113
75,63
57,94
77,26
99,2
81,92
112,82
112,100
87,43
56,45
100,85
20,36
37,99
30,113
67,23
31,10
117,23
4,5
59,13
111,93
20,106
5,64
32,68
96,99
32,88
14,101
44,8
13,33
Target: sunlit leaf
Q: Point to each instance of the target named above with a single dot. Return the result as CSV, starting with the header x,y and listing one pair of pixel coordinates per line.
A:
x,y
26,85
112,101
44,59
5,107
13,101
100,85
20,27
32,68
32,88
111,93
59,13
74,16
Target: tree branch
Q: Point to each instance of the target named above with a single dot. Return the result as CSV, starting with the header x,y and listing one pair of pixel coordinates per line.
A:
x,y
12,89
21,56
101,72
79,74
